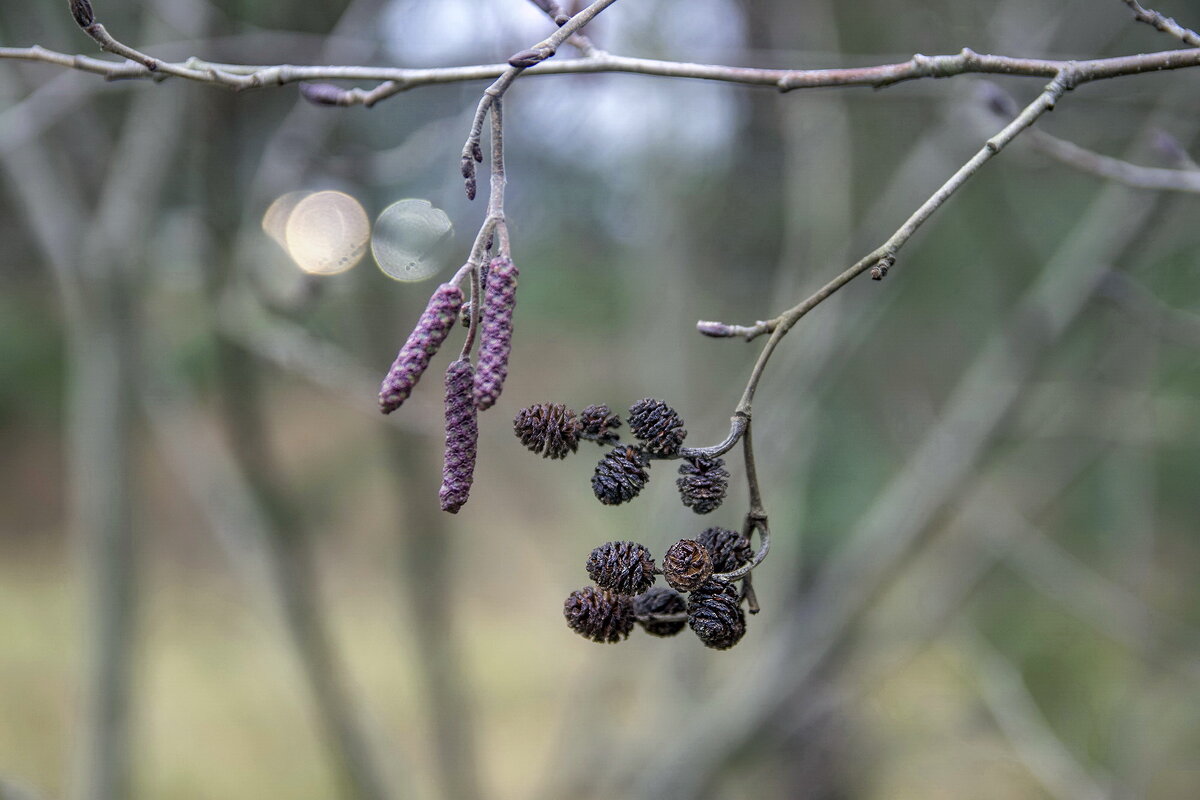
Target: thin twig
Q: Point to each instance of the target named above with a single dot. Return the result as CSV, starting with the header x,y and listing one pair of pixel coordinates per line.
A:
x,y
560,17
1162,23
886,252
517,64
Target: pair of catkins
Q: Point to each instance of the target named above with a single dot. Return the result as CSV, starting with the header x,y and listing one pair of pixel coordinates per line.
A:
x,y
469,388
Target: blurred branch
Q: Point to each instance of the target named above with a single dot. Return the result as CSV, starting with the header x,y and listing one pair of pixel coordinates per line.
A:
x,y
1112,609
10,790
1137,176
1162,23
1032,738
1180,327
291,347
1187,179
293,574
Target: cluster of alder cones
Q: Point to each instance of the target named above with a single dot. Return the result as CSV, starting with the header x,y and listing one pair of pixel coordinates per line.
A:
x,y
624,572
624,591
554,431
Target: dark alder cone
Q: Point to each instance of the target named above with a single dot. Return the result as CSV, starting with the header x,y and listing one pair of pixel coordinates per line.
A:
x,y
620,475
687,565
598,424
624,567
715,615
548,428
598,614
702,483
422,344
660,601
729,549
657,424
462,435
499,300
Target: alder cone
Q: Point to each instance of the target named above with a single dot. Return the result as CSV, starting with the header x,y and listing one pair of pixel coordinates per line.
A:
x,y
715,615
687,565
548,428
620,476
598,423
660,601
598,614
657,424
702,483
624,567
729,549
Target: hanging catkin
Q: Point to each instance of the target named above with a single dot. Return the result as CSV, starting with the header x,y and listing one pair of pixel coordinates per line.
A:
x,y
499,300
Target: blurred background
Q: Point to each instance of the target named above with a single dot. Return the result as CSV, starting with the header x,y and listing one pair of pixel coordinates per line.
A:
x,y
224,575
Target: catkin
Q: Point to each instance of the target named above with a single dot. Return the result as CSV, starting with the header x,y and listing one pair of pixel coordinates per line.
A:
x,y
462,434
499,300
433,326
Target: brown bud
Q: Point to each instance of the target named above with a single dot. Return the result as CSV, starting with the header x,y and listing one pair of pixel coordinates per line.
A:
x,y
468,173
323,94
81,10
527,58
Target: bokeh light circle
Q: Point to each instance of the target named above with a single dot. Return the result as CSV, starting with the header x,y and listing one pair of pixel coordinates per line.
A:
x,y
325,233
410,240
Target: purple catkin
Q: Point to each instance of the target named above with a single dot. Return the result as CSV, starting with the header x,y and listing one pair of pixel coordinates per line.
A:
x,y
499,299
439,317
462,434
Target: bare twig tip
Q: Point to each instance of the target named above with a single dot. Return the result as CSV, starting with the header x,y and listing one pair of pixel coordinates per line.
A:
x,y
718,330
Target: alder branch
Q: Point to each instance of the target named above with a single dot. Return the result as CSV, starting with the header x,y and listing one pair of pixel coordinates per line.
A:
x,y
398,79
884,256
1163,23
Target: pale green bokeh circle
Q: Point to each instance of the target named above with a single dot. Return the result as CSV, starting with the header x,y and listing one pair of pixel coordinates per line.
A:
x,y
410,240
